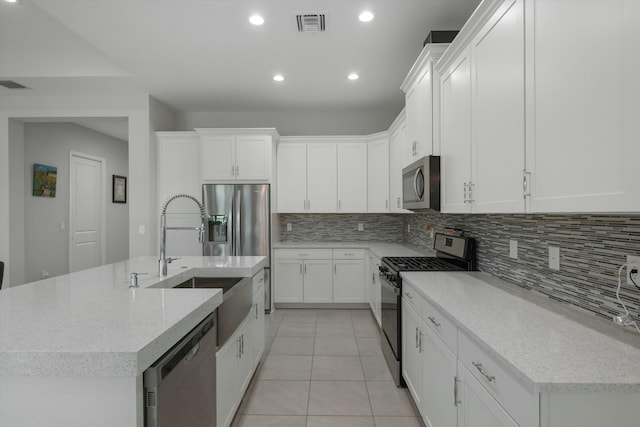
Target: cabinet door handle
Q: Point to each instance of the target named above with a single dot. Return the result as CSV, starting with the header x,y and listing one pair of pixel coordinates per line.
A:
x,y
466,199
420,342
240,347
434,321
480,369
471,185
233,170
256,306
456,402
305,269
300,268
386,203
237,170
416,337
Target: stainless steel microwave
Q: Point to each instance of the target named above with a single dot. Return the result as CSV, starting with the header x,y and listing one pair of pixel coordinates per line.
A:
x,y
421,185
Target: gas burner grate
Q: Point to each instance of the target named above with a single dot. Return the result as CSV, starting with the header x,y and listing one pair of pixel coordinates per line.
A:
x,y
420,264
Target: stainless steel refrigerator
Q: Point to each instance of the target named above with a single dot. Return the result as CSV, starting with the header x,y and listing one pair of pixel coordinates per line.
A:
x,y
239,223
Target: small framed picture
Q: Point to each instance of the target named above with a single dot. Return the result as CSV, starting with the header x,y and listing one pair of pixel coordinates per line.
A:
x,y
119,189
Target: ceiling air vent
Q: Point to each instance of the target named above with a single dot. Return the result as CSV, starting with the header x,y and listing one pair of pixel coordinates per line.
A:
x,y
310,22
9,84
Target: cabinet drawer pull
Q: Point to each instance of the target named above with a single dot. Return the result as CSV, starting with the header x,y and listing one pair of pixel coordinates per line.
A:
x,y
480,369
420,334
300,268
408,295
416,337
434,321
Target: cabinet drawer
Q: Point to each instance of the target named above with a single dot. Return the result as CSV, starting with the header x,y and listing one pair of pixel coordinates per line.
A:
x,y
519,402
348,254
303,254
411,296
441,325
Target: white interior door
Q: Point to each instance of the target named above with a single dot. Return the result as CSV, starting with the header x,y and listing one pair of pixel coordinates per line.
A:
x,y
86,211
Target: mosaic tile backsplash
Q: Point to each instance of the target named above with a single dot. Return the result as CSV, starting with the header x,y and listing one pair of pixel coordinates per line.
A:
x,y
341,228
592,248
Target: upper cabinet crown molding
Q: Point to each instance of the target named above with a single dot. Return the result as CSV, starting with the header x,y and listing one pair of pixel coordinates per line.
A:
x,y
430,53
272,132
473,25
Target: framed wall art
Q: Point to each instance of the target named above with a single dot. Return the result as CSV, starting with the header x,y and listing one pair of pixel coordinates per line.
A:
x,y
119,189
44,180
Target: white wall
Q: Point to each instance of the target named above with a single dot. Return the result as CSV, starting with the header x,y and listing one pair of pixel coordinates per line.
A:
x,y
46,245
294,123
16,204
133,106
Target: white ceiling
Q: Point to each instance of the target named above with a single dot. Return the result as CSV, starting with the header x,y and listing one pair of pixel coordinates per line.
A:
x,y
203,55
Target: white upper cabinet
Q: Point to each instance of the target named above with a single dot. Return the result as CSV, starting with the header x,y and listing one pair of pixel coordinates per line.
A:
x,y
352,177
378,160
552,127
498,112
322,171
482,105
292,177
307,176
583,103
421,101
455,161
179,169
236,154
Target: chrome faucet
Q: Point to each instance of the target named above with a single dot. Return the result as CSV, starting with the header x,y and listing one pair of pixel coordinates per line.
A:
x,y
164,261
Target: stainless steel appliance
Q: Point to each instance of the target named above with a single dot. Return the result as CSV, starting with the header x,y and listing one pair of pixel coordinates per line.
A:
x,y
180,388
421,184
452,254
238,223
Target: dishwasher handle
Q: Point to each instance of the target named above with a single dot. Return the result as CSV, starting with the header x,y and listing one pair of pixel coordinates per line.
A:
x,y
185,350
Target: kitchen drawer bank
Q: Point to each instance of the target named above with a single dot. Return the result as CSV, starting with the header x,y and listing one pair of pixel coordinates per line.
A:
x,y
90,335
515,362
327,274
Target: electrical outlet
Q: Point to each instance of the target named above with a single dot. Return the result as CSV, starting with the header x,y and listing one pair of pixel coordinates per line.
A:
x,y
45,274
141,230
513,249
554,257
360,226
289,226
633,262
408,228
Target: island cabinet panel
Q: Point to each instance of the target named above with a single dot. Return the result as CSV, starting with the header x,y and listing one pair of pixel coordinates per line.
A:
x,y
258,338
411,351
438,381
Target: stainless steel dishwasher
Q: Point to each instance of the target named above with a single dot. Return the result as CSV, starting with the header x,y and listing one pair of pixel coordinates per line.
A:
x,y
180,388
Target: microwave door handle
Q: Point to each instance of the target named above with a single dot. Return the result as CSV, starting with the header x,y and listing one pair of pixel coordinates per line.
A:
x,y
415,184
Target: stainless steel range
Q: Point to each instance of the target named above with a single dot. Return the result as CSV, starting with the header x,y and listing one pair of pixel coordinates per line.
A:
x,y
453,253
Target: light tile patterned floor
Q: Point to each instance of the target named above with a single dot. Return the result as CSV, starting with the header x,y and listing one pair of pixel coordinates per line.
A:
x,y
324,368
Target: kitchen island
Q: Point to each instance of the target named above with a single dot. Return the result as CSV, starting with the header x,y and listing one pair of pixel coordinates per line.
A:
x,y
73,348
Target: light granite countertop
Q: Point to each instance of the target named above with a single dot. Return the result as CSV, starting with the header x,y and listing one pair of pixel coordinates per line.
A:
x,y
90,323
549,351
380,249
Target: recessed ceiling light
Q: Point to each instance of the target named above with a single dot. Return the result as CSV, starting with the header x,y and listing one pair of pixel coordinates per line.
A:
x,y
353,76
366,16
256,19
11,1
278,77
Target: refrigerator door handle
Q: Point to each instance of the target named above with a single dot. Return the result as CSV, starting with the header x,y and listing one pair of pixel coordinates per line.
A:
x,y
237,215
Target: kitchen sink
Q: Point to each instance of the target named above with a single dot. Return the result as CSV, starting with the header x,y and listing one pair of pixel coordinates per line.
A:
x,y
237,300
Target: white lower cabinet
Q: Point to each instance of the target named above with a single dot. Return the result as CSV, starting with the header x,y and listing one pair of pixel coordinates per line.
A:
x,y
233,372
411,351
319,276
438,375
375,292
476,407
237,359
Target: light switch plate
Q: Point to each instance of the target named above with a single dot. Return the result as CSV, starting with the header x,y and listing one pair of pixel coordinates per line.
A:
x,y
513,249
554,257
